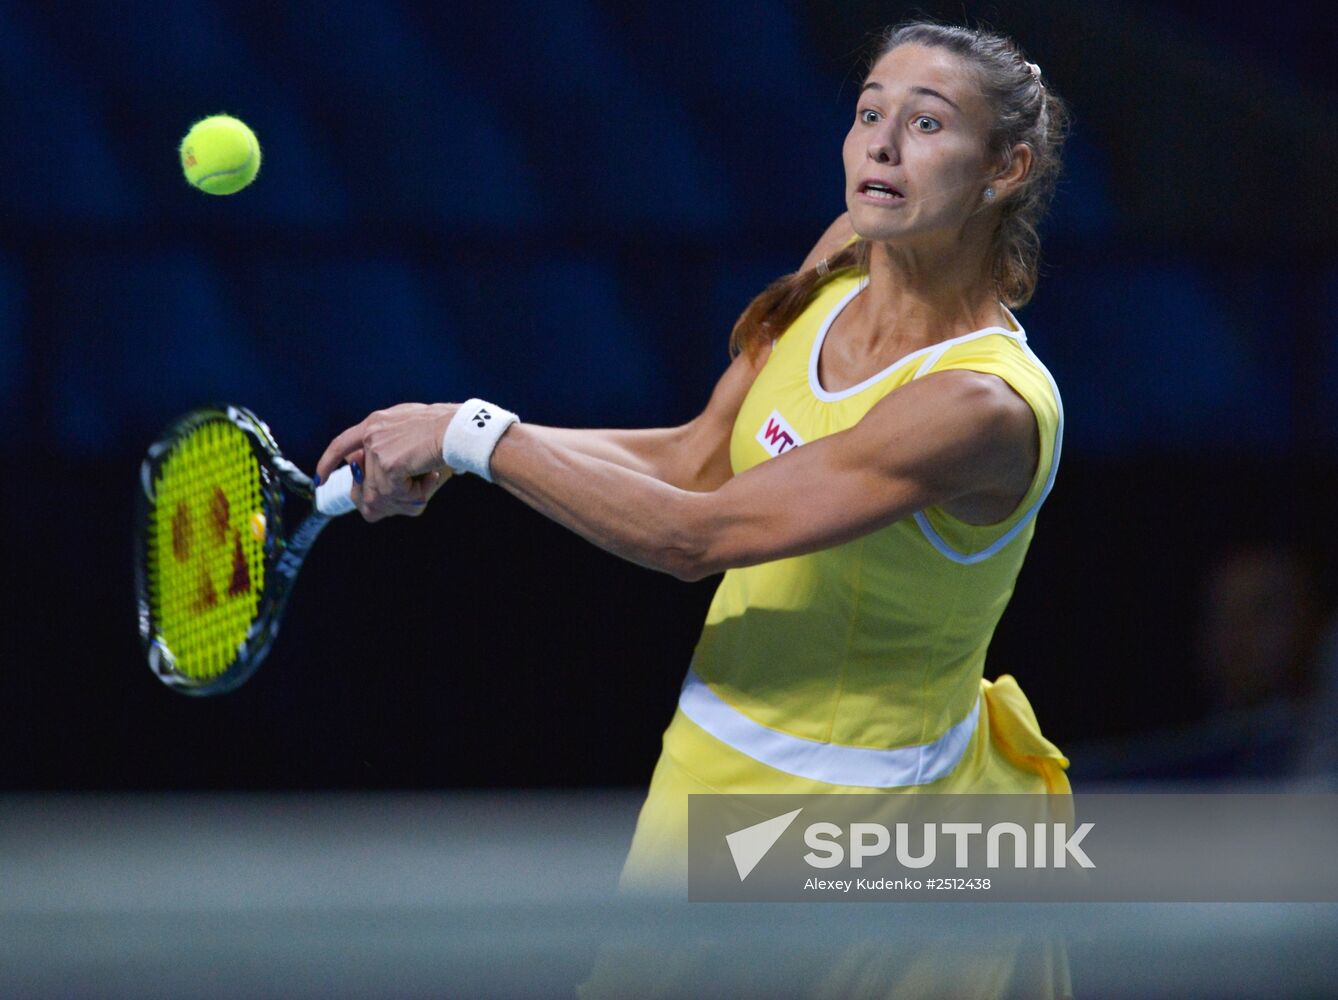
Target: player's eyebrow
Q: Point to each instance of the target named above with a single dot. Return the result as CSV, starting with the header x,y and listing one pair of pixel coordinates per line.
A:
x,y
871,85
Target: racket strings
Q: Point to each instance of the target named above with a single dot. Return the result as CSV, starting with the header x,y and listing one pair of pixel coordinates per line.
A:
x,y
205,557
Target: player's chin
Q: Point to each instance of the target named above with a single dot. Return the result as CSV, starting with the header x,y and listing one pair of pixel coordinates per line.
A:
x,y
871,222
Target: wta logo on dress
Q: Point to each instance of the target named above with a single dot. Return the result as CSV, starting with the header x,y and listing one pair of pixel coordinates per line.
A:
x,y
777,436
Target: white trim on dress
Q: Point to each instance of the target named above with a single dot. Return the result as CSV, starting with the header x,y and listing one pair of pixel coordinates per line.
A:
x,y
815,386
833,763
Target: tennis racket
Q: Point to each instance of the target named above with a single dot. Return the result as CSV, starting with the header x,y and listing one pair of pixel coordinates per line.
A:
x,y
214,565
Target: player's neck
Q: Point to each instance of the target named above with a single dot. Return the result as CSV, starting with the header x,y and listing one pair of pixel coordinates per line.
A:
x,y
918,299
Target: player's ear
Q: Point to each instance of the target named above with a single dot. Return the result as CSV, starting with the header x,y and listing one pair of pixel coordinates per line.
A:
x,y
1014,172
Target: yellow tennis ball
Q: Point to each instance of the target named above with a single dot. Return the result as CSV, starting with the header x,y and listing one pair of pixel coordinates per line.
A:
x,y
220,155
257,523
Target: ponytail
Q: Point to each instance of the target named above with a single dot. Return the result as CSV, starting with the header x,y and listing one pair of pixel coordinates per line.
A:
x,y
768,315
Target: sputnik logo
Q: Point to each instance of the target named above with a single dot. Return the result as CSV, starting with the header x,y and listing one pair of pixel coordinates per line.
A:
x,y
751,844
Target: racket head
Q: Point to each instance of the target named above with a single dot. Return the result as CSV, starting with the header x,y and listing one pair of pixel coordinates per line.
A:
x,y
208,536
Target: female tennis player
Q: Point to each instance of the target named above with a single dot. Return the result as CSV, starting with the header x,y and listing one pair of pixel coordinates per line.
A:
x,y
866,474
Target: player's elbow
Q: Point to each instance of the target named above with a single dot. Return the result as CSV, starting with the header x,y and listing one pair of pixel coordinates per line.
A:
x,y
692,550
710,540
686,561
685,566
691,567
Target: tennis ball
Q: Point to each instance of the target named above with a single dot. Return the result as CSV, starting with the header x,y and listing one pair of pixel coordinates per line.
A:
x,y
257,524
220,155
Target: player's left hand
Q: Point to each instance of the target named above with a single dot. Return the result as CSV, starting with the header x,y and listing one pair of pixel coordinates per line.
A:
x,y
399,452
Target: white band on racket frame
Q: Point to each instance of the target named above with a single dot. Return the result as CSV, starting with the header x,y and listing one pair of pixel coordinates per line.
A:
x,y
472,435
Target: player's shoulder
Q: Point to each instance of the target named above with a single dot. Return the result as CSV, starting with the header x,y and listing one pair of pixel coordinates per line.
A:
x,y
1001,352
986,397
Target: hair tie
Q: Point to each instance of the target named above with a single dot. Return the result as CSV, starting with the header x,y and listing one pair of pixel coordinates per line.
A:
x,y
824,268
1036,75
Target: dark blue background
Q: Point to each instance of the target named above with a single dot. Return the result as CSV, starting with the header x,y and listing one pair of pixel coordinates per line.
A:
x,y
563,207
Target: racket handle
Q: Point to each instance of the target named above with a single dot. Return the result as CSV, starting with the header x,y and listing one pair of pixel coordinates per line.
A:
x,y
332,497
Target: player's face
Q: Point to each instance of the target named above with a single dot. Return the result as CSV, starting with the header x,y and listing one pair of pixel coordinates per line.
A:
x,y
916,164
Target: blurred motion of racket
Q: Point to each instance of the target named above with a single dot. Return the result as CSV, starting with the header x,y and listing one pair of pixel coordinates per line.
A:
x,y
213,563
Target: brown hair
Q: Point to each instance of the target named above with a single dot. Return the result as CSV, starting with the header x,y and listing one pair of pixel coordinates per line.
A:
x,y
1025,110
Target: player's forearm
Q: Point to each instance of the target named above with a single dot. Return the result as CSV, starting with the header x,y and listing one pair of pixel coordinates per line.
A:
x,y
652,452
624,511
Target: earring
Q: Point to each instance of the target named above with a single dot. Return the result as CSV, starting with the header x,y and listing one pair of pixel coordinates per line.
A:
x,y
989,194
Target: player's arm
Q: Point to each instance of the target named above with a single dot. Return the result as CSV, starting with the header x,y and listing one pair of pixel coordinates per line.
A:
x,y
694,456
950,436
404,466
946,437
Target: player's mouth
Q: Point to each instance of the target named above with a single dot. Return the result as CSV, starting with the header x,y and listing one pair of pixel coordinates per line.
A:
x,y
881,192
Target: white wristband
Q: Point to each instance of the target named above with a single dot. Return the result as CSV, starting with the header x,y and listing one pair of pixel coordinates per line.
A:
x,y
472,435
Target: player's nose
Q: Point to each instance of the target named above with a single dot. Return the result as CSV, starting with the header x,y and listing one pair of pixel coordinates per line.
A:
x,y
883,148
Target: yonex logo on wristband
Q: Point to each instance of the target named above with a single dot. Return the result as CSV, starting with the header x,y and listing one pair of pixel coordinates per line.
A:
x,y
472,434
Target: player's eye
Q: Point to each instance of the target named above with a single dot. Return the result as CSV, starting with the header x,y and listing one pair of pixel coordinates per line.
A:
x,y
869,116
935,126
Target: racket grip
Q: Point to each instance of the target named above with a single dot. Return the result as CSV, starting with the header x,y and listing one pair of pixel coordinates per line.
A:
x,y
332,497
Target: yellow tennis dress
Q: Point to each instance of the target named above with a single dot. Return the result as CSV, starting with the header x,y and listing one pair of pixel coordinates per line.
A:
x,y
859,668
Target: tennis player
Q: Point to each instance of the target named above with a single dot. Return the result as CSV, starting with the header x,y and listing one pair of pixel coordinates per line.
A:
x,y
866,474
